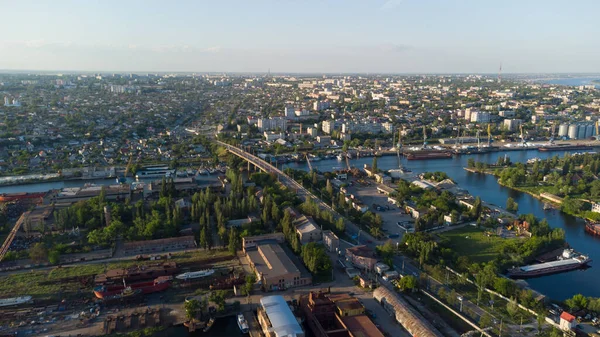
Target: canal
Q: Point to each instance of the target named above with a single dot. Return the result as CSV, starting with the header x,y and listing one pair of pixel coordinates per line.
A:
x,y
559,286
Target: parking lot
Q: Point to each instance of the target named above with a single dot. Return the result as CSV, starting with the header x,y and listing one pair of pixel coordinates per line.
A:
x,y
369,196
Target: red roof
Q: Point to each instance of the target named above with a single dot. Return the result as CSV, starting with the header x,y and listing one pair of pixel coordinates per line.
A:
x,y
567,317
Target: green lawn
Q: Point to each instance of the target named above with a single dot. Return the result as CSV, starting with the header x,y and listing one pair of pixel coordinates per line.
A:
x,y
473,243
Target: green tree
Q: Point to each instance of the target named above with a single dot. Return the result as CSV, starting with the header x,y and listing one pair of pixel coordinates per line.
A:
x,y
38,253
54,256
191,309
511,205
408,282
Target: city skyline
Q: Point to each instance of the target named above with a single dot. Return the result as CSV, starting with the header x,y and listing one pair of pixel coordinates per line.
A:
x,y
394,36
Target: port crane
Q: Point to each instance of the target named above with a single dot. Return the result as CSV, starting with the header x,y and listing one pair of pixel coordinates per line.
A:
x,y
597,129
489,132
523,141
552,134
478,142
308,162
424,137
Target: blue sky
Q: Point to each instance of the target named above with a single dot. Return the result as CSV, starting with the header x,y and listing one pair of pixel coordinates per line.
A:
x,y
393,36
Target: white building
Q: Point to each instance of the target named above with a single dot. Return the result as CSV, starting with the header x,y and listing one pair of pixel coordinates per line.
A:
x,y
280,321
512,124
311,132
271,136
480,117
595,207
273,123
328,126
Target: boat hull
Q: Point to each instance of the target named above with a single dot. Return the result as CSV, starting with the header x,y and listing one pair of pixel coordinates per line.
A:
x,y
592,229
548,271
144,287
564,148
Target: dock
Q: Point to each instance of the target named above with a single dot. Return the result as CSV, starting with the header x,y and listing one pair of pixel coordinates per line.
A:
x,y
253,325
134,320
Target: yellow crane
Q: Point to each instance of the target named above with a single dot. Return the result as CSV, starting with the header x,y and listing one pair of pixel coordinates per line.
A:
x,y
308,161
489,131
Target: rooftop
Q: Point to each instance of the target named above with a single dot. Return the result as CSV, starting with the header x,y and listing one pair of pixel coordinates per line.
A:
x,y
283,321
363,251
271,260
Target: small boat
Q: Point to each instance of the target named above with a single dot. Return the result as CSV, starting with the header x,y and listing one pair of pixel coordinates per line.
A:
x,y
242,324
340,157
8,302
592,228
195,274
209,325
547,206
126,293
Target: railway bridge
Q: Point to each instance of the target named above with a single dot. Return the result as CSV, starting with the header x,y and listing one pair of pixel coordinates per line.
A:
x,y
301,191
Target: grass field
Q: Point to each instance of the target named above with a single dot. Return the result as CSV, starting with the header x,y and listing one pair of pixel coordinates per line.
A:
x,y
473,243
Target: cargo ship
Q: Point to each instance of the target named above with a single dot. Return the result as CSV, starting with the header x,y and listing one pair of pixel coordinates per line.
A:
x,y
592,228
8,197
13,301
569,260
195,274
137,273
159,284
548,148
424,155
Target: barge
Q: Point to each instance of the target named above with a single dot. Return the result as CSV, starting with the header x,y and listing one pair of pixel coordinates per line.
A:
x,y
424,155
569,260
548,148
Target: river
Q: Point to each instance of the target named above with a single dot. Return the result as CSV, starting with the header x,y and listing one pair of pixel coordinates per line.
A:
x,y
558,286
574,81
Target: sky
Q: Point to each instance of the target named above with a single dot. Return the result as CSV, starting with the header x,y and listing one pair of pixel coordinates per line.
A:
x,y
304,36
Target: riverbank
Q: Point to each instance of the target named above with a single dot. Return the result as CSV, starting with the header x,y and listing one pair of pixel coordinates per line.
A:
x,y
533,191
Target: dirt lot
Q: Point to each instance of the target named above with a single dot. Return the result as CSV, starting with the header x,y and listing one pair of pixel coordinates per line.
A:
x,y
369,196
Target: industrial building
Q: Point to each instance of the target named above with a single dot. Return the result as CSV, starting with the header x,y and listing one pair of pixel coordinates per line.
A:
x,y
274,267
362,257
405,314
340,315
276,318
307,229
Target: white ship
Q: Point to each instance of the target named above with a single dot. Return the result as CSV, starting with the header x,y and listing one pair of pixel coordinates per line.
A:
x,y
242,324
8,302
195,274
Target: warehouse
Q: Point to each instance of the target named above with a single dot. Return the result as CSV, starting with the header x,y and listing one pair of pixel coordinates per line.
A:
x,y
408,317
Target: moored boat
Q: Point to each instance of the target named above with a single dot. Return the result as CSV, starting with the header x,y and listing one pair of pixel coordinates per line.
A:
x,y
209,324
242,323
159,284
548,148
423,155
569,260
195,274
13,301
592,228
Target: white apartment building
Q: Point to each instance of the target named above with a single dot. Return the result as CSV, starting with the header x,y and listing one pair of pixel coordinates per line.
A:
x,y
480,117
273,123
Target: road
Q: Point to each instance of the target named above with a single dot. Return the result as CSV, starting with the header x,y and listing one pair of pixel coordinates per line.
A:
x,y
351,228
401,263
